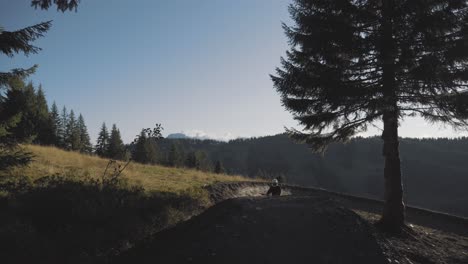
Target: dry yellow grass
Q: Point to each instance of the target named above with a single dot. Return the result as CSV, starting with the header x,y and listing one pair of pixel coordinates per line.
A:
x,y
53,161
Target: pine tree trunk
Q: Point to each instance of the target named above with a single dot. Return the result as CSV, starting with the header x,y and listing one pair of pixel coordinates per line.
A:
x,y
393,216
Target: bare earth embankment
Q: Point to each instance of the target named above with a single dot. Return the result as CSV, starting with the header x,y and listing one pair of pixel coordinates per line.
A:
x,y
284,229
311,226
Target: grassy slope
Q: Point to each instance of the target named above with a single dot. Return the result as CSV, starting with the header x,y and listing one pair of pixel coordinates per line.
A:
x,y
70,218
53,161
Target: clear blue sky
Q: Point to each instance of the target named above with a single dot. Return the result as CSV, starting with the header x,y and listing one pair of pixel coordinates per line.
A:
x,y
194,66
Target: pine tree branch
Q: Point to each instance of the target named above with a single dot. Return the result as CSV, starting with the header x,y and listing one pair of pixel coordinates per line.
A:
x,y
15,73
19,41
318,140
62,5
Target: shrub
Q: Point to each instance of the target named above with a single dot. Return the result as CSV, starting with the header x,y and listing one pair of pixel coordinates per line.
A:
x,y
60,219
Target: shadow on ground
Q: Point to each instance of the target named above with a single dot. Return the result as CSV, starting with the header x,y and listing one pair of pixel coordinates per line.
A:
x,y
283,229
59,220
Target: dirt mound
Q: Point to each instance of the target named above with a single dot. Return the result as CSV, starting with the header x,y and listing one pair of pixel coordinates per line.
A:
x,y
265,230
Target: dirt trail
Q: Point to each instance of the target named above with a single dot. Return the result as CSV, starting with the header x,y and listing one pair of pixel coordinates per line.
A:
x,y
283,229
305,226
433,237
436,220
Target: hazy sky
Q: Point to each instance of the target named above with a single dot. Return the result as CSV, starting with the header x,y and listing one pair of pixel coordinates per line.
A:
x,y
199,67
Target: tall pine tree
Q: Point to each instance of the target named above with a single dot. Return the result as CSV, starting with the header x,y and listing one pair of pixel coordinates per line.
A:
x,y
191,160
34,125
145,149
63,128
142,150
27,127
175,157
11,106
353,63
12,43
116,149
73,133
55,124
44,127
85,142
102,143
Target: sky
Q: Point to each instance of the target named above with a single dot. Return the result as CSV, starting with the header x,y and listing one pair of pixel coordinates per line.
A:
x,y
197,67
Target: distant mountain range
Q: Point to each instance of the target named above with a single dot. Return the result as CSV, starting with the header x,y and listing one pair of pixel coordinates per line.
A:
x,y
197,136
177,136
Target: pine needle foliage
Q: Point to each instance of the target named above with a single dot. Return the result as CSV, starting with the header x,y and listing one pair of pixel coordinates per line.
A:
x,y
332,78
12,43
356,62
20,41
62,5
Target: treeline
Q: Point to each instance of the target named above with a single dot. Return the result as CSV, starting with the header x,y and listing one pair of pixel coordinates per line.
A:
x,y
31,121
149,147
146,149
435,171
37,124
177,155
110,145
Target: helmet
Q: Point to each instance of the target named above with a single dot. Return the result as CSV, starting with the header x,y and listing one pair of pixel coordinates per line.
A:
x,y
275,182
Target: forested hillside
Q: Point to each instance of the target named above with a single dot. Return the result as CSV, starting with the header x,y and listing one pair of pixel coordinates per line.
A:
x,y
435,173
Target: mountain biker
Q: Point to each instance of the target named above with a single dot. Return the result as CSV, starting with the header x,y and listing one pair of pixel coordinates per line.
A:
x,y
275,189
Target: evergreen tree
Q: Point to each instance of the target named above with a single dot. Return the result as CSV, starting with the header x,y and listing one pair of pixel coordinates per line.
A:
x,y
145,149
203,163
44,127
55,125
73,133
11,43
102,144
85,145
35,123
191,160
63,128
11,105
116,148
218,167
27,128
175,156
14,42
353,63
140,150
